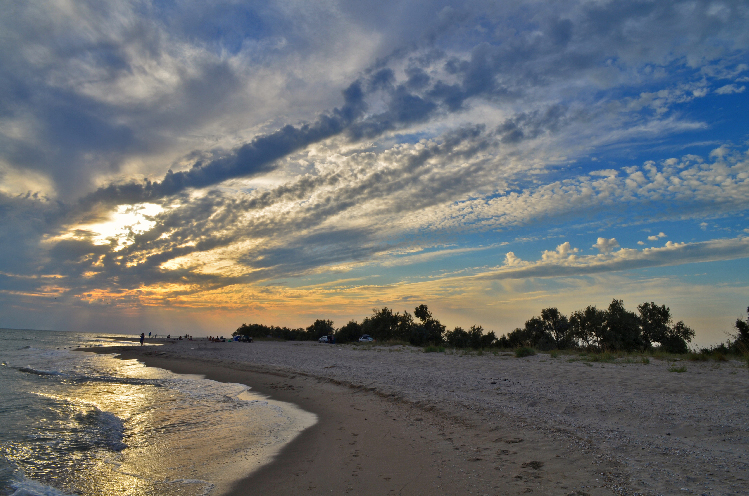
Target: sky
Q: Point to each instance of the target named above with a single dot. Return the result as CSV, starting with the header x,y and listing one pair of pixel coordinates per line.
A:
x,y
189,166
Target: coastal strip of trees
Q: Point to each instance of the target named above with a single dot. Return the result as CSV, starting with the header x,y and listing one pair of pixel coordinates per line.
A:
x,y
612,329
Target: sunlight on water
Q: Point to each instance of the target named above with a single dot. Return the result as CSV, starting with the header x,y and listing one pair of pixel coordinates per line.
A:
x,y
99,425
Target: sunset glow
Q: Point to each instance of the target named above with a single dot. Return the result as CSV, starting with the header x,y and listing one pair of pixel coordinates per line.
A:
x,y
194,166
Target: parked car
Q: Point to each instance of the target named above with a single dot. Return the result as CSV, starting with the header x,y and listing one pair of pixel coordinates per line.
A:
x,y
366,339
324,339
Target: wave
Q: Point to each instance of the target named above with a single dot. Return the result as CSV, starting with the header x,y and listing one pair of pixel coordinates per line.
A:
x,y
27,487
103,429
83,378
30,370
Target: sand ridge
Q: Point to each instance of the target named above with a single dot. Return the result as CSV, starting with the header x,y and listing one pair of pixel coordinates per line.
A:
x,y
460,423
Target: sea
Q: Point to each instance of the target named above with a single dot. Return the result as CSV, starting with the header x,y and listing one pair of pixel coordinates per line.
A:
x,y
79,423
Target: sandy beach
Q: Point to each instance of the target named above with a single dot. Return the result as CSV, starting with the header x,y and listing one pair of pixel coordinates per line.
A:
x,y
396,420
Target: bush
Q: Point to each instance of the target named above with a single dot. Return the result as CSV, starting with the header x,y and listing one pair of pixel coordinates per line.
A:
x,y
434,349
524,351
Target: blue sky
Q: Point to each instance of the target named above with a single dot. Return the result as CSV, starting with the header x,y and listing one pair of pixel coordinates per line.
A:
x,y
179,166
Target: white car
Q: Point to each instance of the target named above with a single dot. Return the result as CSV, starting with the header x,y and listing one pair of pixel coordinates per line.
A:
x,y
366,339
323,339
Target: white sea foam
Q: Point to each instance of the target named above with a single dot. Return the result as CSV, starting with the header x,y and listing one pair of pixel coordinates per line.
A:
x,y
26,487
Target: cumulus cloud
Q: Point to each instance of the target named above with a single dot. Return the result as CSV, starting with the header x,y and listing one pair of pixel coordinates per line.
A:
x,y
604,245
624,259
656,237
511,260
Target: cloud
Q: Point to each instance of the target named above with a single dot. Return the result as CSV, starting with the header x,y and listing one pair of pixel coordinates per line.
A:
x,y
686,188
289,140
362,210
568,264
604,245
253,158
656,237
147,86
730,89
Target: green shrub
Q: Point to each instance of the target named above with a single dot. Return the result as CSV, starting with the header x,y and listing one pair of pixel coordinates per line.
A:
x,y
524,351
605,356
719,357
674,368
434,349
698,357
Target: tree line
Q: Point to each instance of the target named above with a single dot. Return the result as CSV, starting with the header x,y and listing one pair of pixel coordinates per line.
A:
x,y
612,329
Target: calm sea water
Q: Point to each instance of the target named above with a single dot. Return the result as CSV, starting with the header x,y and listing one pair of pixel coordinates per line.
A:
x,y
79,423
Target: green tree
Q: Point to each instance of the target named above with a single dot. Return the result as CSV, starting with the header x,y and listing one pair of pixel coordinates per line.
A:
x,y
657,327
457,338
537,335
741,343
319,329
677,337
477,339
253,331
557,326
622,330
406,328
515,339
382,325
349,333
587,326
430,331
655,322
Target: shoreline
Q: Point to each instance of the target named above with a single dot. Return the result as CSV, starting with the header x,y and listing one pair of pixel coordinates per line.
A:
x,y
347,451
460,424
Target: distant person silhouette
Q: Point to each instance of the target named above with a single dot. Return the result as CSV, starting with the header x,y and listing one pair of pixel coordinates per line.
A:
x,y
142,338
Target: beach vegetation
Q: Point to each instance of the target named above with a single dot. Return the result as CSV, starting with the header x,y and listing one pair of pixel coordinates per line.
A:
x,y
587,327
320,328
260,331
698,357
557,326
740,343
434,349
524,351
349,333
615,329
429,330
598,335
474,338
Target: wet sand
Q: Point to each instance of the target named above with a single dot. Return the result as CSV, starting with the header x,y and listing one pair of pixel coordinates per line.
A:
x,y
395,420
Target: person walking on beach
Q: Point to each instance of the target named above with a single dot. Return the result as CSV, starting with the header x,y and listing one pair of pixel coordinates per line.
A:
x,y
142,338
